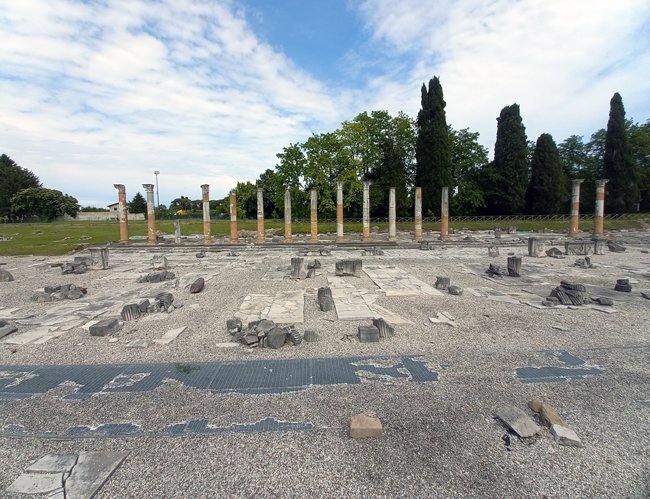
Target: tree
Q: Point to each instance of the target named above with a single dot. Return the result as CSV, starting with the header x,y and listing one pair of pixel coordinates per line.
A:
x,y
138,204
391,172
246,194
622,190
46,204
507,192
468,157
547,193
14,179
639,136
433,170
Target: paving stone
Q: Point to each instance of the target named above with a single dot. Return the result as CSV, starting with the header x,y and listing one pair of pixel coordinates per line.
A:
x,y
105,327
518,421
7,329
395,282
53,463
92,470
565,436
365,426
5,276
368,334
197,286
170,335
444,318
385,329
154,277
36,484
351,267
139,343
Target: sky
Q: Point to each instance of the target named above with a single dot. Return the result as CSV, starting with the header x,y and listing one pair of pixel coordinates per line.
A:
x,y
99,92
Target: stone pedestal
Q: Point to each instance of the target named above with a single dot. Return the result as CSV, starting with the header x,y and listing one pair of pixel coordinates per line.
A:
x,y
98,258
339,211
599,215
599,246
366,211
418,213
234,236
514,266
314,216
574,226
444,214
392,215
497,232
287,217
151,215
260,216
535,247
205,193
122,213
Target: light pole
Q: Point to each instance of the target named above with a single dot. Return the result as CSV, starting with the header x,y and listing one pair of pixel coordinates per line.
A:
x,y
156,172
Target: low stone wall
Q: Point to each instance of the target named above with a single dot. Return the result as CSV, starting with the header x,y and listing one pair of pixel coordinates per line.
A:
x,y
95,216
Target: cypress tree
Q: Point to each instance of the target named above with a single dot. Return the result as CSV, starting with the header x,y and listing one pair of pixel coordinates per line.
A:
x,y
510,166
547,191
618,167
432,151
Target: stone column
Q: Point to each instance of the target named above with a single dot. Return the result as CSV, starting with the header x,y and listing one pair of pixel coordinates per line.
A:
x,y
392,215
599,215
418,213
234,236
260,216
366,211
177,231
339,211
122,213
151,215
574,226
444,214
287,216
314,216
205,189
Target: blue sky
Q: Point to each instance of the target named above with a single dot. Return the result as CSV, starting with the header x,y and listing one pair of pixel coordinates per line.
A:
x,y
107,91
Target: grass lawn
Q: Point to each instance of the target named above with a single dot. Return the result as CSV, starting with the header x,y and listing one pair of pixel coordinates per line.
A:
x,y
58,238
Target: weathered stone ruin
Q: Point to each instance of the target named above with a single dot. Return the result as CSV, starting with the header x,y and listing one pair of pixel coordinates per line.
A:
x,y
263,334
615,247
578,248
442,282
493,251
567,294
58,293
535,247
384,328
514,266
297,270
5,276
325,300
197,286
349,267
623,285
105,327
157,277
162,302
554,253
368,334
494,270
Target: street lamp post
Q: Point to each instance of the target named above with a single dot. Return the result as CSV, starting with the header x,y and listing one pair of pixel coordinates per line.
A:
x,y
156,172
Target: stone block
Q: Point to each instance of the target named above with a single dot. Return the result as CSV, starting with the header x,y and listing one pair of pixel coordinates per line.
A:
x,y
276,338
159,262
455,290
599,246
514,266
85,260
197,286
550,416
105,327
130,312
7,329
365,426
349,267
615,247
368,334
233,326
603,300
554,253
297,270
493,251
311,336
578,248
143,305
518,421
98,258
497,232
384,328
442,282
535,247
565,436
325,299
41,297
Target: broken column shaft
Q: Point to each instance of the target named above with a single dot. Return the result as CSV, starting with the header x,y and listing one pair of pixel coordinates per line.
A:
x,y
574,227
287,216
418,213
260,216
444,214
205,189
122,213
392,229
599,215
234,237
366,211
314,216
339,211
151,215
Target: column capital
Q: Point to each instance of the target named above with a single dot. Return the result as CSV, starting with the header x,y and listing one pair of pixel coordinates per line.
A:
x,y
120,187
602,182
577,181
148,187
205,188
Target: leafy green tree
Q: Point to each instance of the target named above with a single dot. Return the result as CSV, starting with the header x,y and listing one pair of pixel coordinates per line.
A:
x,y
273,186
93,209
391,172
184,203
13,179
509,173
582,160
46,204
639,136
468,157
246,200
433,170
138,204
547,192
618,167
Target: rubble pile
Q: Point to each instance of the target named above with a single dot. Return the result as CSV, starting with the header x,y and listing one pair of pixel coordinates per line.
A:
x,y
58,293
263,334
567,294
162,302
157,277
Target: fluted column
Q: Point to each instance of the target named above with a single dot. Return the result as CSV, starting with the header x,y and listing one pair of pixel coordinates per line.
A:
x,y
314,216
418,213
234,236
599,215
392,215
122,213
366,211
260,216
444,214
287,217
339,211
205,190
574,226
151,215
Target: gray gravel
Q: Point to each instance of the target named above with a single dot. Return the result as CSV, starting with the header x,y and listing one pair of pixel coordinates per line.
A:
x,y
441,439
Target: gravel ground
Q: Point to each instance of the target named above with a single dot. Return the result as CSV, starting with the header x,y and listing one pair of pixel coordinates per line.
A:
x,y
440,438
